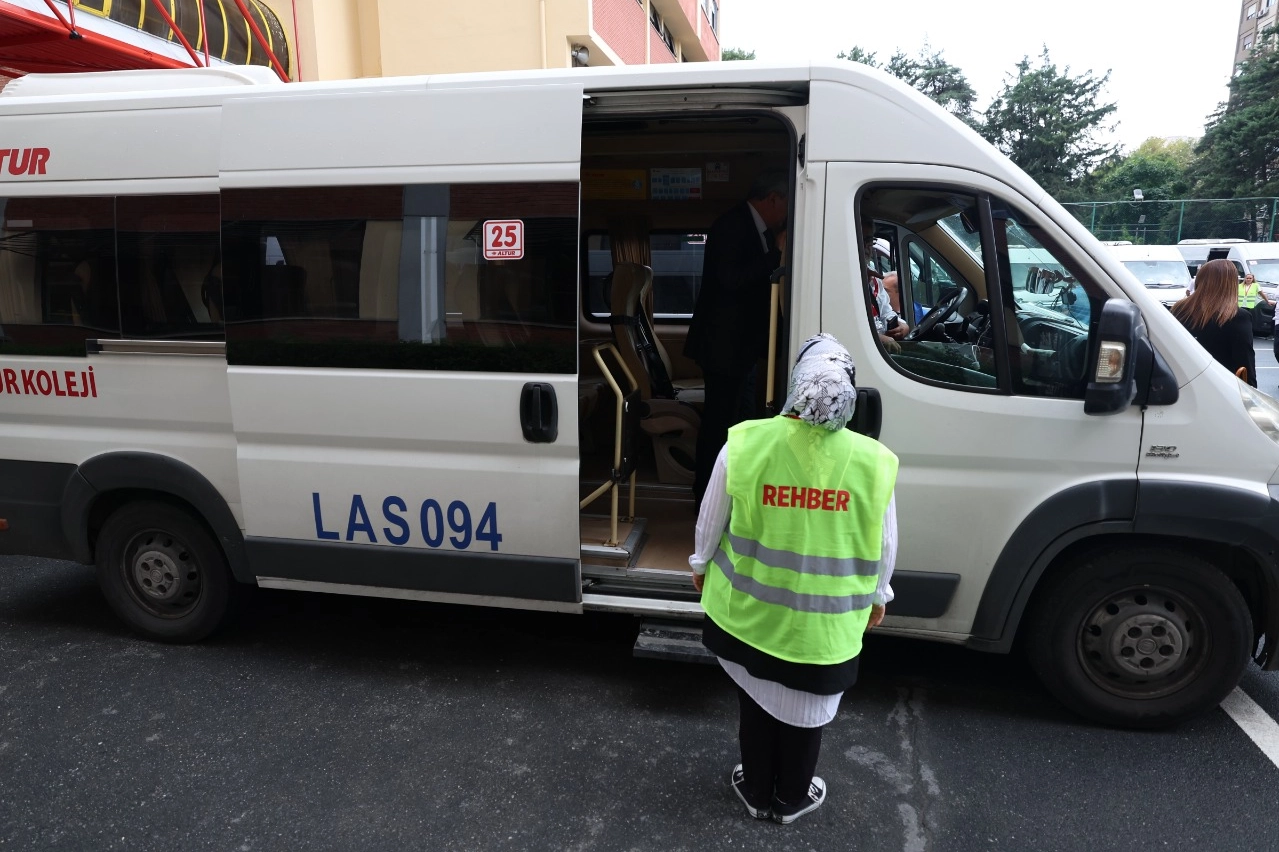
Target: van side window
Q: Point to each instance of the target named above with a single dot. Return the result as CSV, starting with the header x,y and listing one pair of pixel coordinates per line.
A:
x,y
941,288
167,249
1055,308
934,239
57,274
676,261
396,277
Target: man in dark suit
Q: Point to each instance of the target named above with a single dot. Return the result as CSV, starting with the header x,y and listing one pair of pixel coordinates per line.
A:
x,y
729,330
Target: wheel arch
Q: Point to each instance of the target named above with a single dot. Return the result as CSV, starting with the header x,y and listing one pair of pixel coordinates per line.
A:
x,y
104,483
1226,526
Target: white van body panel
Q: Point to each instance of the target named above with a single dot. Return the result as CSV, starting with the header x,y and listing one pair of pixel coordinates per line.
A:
x,y
410,434
411,134
176,406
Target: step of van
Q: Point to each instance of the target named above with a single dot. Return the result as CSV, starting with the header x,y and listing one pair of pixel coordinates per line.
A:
x,y
672,640
595,530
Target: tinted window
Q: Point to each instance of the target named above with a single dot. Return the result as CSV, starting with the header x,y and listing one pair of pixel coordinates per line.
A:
x,y
169,266
676,261
396,277
57,274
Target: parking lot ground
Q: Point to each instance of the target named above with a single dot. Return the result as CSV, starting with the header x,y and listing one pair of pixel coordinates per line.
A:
x,y
319,722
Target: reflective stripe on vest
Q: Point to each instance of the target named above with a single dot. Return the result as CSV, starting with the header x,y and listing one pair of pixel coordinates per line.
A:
x,y
824,565
798,601
796,572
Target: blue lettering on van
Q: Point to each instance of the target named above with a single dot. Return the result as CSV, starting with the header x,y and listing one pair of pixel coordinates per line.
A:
x,y
320,531
436,522
359,521
402,525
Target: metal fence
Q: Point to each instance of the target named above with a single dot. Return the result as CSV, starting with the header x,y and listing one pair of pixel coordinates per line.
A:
x,y
1153,222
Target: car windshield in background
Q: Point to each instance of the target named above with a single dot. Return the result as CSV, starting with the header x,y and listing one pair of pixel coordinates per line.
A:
x,y
1266,270
1160,274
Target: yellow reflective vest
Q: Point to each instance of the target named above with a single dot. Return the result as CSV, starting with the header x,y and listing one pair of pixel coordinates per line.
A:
x,y
796,571
1248,294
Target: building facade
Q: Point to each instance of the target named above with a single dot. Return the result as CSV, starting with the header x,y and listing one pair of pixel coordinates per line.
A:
x,y
337,39
1255,16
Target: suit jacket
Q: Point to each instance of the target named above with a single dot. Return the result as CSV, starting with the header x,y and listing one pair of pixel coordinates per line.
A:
x,y
729,330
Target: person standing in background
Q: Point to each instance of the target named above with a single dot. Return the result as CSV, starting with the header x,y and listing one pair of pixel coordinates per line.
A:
x,y
1214,315
729,330
794,551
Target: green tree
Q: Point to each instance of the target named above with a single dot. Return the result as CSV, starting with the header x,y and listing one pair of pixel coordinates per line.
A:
x,y
1051,123
857,54
1239,152
728,54
1160,169
930,73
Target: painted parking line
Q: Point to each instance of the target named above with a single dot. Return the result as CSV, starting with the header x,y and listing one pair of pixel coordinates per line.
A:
x,y
1256,723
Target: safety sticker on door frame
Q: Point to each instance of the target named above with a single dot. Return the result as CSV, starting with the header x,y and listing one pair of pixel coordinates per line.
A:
x,y
503,239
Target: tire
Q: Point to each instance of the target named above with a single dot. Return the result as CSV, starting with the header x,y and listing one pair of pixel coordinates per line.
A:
x,y
1140,637
162,572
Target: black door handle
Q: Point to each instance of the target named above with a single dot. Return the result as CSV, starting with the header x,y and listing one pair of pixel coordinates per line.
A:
x,y
868,416
539,413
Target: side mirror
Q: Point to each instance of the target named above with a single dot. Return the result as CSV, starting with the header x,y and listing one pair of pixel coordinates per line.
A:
x,y
1112,381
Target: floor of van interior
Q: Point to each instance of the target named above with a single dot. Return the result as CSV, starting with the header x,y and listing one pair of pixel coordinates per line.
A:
x,y
666,518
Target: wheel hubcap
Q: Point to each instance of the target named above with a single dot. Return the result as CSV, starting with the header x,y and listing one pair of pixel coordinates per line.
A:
x,y
163,575
1142,643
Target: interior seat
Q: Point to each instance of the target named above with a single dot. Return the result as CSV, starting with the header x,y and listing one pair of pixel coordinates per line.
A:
x,y
691,391
672,422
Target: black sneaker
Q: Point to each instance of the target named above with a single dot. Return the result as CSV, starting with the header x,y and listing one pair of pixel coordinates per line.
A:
x,y
786,814
737,779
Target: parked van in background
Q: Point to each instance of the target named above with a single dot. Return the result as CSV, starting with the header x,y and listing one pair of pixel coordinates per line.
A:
x,y
1161,269
1197,252
1262,261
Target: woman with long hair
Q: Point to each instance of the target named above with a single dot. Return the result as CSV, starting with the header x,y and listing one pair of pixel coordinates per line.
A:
x,y
1212,314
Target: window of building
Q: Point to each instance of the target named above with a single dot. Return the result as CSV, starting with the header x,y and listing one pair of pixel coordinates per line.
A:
x,y
662,30
1251,11
57,274
711,9
170,267
396,277
676,261
1247,43
1022,327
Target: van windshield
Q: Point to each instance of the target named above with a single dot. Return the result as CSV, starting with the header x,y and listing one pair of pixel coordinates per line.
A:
x,y
1160,274
1266,270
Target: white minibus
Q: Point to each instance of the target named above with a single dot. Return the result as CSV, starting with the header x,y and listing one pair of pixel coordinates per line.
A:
x,y
363,337
1161,269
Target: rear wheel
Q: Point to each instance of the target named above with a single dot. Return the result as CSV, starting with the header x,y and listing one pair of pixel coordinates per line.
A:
x,y
162,572
1141,637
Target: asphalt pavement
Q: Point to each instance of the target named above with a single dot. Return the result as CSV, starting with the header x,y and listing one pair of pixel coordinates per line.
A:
x,y
320,722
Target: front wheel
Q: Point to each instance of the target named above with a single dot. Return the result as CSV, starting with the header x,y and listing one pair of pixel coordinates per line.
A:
x,y
1140,637
162,572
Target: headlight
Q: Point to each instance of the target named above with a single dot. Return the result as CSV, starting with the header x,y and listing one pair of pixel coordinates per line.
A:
x,y
1263,410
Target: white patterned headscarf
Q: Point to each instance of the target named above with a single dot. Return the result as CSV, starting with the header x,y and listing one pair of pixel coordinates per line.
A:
x,y
822,391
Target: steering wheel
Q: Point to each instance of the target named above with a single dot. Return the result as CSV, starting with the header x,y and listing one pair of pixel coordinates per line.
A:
x,y
950,301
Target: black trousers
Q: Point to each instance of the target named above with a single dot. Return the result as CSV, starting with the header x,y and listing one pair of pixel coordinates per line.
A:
x,y
777,759
730,399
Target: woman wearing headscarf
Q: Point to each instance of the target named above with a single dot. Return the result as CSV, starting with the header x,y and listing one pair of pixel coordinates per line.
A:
x,y
1213,315
795,546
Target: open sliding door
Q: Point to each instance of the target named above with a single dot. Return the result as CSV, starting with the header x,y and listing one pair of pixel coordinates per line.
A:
x,y
400,276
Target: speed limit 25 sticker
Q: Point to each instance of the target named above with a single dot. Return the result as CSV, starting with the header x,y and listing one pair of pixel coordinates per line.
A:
x,y
503,239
